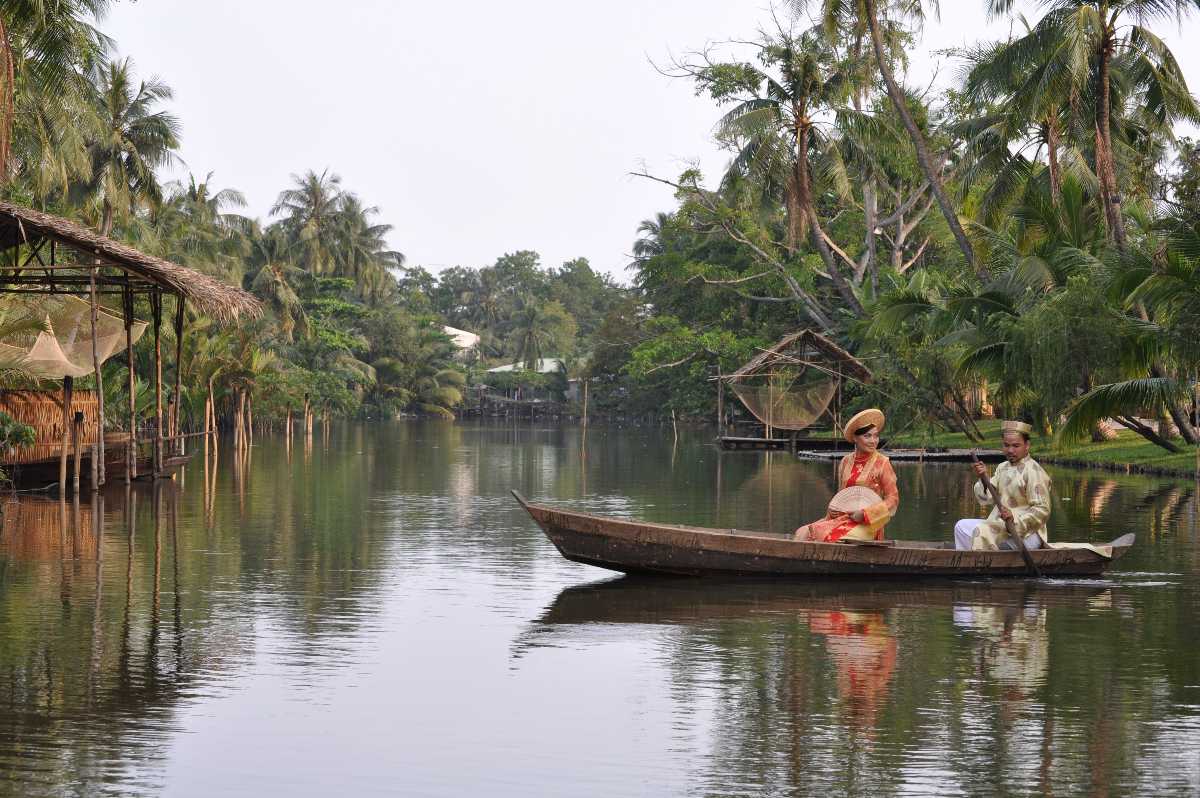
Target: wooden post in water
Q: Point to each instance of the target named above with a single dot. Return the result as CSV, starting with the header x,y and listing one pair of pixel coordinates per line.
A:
x,y
156,308
176,418
131,450
720,402
76,448
68,390
99,479
585,401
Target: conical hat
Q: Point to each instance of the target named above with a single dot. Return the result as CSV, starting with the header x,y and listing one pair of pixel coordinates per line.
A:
x,y
855,497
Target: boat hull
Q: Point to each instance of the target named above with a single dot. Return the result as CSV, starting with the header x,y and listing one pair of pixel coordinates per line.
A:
x,y
631,546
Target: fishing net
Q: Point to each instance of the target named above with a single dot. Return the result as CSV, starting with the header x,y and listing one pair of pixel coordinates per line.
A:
x,y
787,400
63,348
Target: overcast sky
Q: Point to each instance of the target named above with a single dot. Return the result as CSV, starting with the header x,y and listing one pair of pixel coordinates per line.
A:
x,y
477,128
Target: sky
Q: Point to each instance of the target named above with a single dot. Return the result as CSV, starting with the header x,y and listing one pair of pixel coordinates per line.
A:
x,y
477,128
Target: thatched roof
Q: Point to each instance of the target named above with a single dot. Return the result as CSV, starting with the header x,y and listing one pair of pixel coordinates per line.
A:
x,y
20,225
791,348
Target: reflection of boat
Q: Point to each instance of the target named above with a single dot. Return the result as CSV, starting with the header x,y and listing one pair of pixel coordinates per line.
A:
x,y
639,600
634,546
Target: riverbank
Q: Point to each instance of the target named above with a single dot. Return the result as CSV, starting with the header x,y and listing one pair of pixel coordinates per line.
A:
x,y
1127,453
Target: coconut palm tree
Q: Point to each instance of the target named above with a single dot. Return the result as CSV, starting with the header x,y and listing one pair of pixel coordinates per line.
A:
x,y
273,278
533,335
363,254
311,212
45,48
1083,42
129,139
845,17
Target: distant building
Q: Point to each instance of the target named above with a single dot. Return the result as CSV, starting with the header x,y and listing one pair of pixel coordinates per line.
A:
x,y
467,342
545,365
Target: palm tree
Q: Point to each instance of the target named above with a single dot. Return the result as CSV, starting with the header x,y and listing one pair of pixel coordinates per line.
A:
x,y
1164,282
44,48
649,241
848,16
1083,41
273,278
128,141
363,254
311,211
533,335
773,127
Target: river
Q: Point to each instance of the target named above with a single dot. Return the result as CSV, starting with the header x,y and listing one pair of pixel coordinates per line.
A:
x,y
370,613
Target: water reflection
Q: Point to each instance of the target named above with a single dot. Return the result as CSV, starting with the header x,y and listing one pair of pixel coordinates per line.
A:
x,y
365,608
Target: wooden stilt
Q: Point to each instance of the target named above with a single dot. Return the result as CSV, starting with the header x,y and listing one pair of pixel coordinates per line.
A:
x,y
131,451
156,308
176,420
68,390
76,449
100,476
720,402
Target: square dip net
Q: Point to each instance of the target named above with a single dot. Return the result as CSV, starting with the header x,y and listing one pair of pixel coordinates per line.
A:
x,y
51,335
791,385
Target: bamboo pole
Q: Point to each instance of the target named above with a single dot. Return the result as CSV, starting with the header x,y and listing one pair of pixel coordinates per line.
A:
x,y
99,479
76,449
179,306
131,451
720,402
585,401
156,306
68,389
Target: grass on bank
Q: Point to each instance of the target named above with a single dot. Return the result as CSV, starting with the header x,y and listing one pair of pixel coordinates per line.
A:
x,y
1127,449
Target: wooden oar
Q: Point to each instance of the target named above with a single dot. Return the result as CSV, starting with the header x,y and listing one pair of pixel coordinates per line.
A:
x,y
1008,525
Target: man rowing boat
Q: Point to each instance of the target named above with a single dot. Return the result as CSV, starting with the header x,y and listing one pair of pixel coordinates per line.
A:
x,y
1024,490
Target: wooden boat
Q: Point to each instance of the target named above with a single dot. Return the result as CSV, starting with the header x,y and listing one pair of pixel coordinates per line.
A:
x,y
632,546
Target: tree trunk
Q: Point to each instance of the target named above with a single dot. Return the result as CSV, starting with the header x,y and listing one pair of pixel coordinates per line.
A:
x,y
919,145
1052,147
1104,156
7,100
804,191
871,217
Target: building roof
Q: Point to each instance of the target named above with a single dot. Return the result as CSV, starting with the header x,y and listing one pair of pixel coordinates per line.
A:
x,y
545,365
137,270
462,338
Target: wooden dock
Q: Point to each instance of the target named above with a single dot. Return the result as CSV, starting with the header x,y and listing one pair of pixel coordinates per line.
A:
x,y
915,455
784,444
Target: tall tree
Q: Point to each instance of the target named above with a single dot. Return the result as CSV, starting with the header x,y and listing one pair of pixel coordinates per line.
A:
x,y
1087,39
311,211
46,47
129,140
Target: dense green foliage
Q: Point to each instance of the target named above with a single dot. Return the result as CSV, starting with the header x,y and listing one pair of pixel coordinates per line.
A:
x,y
1031,235
1071,294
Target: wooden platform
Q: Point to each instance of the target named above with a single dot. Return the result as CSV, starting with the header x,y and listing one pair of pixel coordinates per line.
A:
x,y
731,442
916,455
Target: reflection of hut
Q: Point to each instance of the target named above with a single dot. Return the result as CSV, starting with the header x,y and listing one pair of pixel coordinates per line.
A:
x,y
51,257
789,386
37,528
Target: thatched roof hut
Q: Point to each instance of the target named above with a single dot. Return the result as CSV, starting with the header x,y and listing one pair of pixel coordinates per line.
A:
x,y
791,384
804,346
44,269
43,254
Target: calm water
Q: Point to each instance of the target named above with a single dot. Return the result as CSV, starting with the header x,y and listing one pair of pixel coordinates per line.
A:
x,y
374,615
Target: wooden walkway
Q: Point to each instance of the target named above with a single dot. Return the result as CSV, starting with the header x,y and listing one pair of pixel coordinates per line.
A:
x,y
917,455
